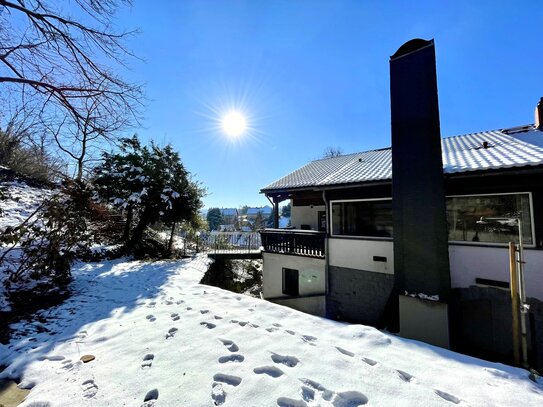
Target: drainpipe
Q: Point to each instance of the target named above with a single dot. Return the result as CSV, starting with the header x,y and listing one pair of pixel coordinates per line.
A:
x,y
326,251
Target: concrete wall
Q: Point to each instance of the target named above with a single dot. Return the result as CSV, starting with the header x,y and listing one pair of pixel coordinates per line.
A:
x,y
311,305
305,215
357,295
471,262
358,254
311,278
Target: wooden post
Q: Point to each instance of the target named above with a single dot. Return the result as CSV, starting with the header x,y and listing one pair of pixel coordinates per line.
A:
x,y
515,302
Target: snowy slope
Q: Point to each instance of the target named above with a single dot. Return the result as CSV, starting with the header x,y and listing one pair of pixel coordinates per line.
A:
x,y
159,335
19,201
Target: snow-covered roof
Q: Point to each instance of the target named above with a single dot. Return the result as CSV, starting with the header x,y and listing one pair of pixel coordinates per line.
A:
x,y
518,147
266,210
229,212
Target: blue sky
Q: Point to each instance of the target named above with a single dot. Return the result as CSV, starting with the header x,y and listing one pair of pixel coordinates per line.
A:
x,y
312,74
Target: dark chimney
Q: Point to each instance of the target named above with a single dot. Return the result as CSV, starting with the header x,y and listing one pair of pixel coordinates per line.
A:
x,y
421,257
539,115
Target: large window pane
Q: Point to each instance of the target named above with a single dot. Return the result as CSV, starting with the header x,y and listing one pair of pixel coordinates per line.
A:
x,y
362,218
465,224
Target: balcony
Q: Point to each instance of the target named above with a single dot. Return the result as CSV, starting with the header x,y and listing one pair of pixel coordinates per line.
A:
x,y
295,242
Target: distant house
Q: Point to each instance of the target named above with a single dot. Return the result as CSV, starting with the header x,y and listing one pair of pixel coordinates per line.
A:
x,y
229,215
252,213
338,261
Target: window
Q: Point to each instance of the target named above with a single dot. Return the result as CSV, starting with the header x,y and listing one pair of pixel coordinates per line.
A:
x,y
321,215
290,282
362,218
464,215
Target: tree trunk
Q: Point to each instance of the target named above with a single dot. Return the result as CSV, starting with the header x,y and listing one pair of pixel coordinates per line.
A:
x,y
170,243
126,233
137,234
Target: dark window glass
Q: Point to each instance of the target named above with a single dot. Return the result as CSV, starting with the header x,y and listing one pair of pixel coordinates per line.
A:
x,y
362,218
489,218
290,282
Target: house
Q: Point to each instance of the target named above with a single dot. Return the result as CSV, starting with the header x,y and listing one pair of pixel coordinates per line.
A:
x,y
229,216
339,260
252,212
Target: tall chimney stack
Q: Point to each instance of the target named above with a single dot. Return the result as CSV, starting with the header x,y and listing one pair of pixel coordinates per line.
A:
x,y
421,256
539,115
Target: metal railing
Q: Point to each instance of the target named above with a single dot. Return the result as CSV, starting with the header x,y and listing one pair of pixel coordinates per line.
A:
x,y
298,242
231,242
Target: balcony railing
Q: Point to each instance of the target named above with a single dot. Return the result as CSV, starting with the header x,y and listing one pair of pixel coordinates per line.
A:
x,y
297,242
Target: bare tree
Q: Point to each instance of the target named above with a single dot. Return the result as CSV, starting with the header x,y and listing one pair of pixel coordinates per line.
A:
x,y
60,60
331,152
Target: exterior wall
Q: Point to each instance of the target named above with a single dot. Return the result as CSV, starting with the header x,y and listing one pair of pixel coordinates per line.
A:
x,y
305,215
358,254
357,295
471,262
312,280
310,305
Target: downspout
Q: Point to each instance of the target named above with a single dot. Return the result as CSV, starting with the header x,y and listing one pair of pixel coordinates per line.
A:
x,y
326,252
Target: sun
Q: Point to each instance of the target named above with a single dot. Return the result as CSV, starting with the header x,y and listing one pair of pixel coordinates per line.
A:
x,y
234,123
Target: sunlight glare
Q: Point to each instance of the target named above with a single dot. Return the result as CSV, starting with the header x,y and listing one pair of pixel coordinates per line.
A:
x,y
234,124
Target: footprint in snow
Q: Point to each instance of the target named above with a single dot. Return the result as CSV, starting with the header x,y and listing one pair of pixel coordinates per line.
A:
x,y
290,332
218,395
345,351
309,339
188,308
204,311
369,361
151,304
289,361
271,329
167,302
230,345
217,317
227,379
221,380
311,389
406,377
208,325
232,358
287,402
150,398
151,318
171,333
277,325
447,396
175,316
89,388
269,370
179,302
147,361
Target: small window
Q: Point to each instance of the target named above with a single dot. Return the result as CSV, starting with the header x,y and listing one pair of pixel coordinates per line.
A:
x,y
290,282
322,220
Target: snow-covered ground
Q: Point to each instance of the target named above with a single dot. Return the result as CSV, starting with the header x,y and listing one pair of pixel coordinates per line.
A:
x,y
19,201
159,335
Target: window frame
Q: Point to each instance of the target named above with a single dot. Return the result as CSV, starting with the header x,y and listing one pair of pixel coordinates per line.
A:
x,y
330,224
532,223
456,242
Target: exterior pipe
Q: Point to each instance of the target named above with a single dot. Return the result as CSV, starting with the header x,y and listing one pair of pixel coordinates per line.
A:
x,y
326,245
